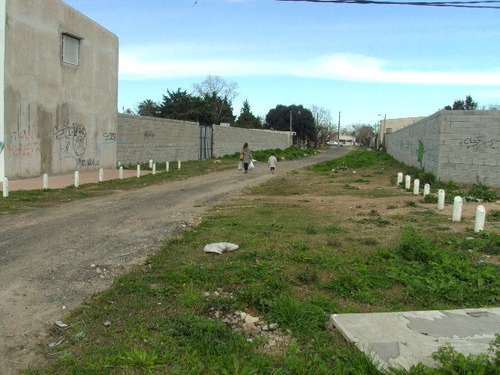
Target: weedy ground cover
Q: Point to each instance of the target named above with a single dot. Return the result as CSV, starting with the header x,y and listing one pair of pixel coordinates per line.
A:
x,y
309,247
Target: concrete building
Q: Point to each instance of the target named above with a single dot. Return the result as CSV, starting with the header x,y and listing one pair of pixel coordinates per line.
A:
x,y
388,126
59,83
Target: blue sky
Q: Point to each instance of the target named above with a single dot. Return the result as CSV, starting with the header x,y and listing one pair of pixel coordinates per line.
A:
x,y
360,60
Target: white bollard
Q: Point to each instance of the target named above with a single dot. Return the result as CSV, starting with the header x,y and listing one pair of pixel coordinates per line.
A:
x,y
138,170
45,181
167,166
77,179
400,178
457,209
178,164
416,187
480,216
407,182
151,163
119,163
154,168
120,173
5,187
441,195
427,189
101,175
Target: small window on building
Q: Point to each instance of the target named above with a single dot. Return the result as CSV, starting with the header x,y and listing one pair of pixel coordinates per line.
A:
x,y
70,50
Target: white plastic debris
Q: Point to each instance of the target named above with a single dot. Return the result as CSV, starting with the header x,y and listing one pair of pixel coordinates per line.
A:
x,y
61,324
220,247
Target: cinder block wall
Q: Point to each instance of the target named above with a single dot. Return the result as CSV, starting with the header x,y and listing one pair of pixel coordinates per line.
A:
x,y
467,148
141,139
228,140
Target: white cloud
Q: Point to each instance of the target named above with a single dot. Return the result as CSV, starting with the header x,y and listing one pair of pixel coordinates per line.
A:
x,y
341,66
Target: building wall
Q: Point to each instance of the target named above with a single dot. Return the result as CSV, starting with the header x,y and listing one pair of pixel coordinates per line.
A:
x,y
141,139
58,117
463,146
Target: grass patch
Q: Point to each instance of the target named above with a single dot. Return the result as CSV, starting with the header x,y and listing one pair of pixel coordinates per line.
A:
x,y
296,265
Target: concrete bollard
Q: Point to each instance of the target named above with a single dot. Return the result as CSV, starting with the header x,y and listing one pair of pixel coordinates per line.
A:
x,y
5,187
154,168
120,173
138,170
151,163
400,178
45,181
457,209
101,175
480,217
416,187
407,182
427,189
441,196
178,164
77,179
167,166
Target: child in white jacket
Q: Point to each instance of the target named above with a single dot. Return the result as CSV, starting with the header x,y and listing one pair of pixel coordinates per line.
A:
x,y
272,162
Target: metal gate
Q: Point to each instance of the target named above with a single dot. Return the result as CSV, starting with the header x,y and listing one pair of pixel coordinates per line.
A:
x,y
205,142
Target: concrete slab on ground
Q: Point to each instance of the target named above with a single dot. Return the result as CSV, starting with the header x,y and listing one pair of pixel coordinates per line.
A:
x,y
403,339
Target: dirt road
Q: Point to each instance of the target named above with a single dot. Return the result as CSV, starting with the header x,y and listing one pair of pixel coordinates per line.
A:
x,y
51,259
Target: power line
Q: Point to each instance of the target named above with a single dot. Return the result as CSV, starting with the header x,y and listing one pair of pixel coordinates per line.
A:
x,y
489,4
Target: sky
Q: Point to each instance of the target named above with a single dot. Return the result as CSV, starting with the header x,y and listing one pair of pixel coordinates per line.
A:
x,y
359,62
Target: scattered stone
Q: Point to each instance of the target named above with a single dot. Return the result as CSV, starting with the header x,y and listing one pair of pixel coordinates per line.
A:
x,y
107,323
220,247
61,324
57,343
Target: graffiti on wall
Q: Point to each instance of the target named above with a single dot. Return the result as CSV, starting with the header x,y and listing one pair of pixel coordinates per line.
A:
x,y
73,144
23,142
480,140
148,134
109,137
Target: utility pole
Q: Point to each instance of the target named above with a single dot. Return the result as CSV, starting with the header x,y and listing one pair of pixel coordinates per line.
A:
x,y
339,131
291,136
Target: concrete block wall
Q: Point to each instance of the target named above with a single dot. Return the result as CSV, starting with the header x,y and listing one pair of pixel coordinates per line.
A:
x,y
463,146
141,139
228,140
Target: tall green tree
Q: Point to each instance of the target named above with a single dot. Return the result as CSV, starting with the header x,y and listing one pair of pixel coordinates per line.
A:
x,y
219,94
180,105
247,119
148,108
468,104
302,120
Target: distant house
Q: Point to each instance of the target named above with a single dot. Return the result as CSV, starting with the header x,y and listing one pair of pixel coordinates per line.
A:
x,y
59,83
388,126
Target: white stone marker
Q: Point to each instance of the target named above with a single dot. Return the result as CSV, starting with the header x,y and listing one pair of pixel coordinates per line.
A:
x,y
45,181
5,187
120,173
101,175
427,189
480,216
150,163
400,178
416,187
457,209
77,179
407,182
138,170
178,164
167,166
441,195
154,168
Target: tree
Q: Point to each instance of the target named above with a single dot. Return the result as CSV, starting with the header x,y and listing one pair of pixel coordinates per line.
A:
x,y
302,120
246,119
220,95
324,123
364,134
148,108
468,104
180,105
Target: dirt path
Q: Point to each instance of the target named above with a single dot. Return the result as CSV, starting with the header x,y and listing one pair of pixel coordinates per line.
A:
x,y
51,259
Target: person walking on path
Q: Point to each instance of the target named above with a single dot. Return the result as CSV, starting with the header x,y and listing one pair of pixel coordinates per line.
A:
x,y
272,162
246,156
